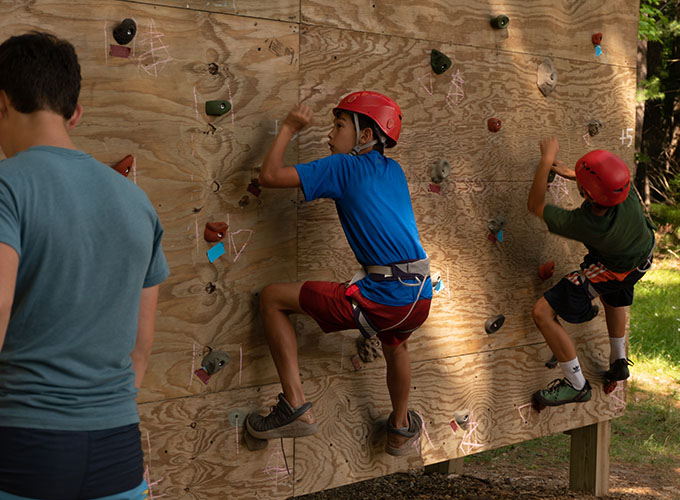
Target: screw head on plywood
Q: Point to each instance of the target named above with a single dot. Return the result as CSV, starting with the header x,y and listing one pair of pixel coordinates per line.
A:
x,y
546,78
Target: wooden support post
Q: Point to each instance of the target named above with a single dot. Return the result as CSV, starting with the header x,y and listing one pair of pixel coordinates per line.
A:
x,y
453,466
589,461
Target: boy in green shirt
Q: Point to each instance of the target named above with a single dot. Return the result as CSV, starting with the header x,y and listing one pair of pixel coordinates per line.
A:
x,y
619,239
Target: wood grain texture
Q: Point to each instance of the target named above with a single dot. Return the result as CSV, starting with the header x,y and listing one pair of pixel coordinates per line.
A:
x,y
556,29
280,10
193,167
263,58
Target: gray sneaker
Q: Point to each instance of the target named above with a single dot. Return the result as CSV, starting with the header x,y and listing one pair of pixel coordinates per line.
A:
x,y
401,442
561,392
282,422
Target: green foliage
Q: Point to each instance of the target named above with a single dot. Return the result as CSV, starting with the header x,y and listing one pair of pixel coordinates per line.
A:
x,y
667,220
652,22
650,90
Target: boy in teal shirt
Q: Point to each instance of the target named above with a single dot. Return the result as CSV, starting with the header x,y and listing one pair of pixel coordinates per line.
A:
x,y
619,239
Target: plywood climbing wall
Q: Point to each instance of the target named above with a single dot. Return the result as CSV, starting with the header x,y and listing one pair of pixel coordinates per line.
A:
x,y
263,56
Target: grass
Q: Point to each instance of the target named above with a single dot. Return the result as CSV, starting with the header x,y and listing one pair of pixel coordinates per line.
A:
x,y
648,431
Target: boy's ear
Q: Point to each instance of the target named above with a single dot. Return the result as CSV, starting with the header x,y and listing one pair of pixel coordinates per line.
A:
x,y
366,135
73,121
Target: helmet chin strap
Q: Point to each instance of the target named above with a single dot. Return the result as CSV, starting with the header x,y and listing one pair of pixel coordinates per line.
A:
x,y
358,148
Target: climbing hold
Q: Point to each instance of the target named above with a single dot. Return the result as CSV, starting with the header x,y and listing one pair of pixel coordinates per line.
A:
x,y
440,171
118,51
462,418
496,224
217,108
499,236
598,50
254,187
243,202
237,417
215,231
597,38
437,282
500,22
214,361
202,375
439,62
216,252
494,324
551,363
434,188
546,270
493,124
368,349
547,77
123,166
356,362
551,176
125,31
594,127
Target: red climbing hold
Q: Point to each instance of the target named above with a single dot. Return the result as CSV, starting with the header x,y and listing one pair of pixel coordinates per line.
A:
x,y
494,124
123,166
546,270
597,38
215,231
254,187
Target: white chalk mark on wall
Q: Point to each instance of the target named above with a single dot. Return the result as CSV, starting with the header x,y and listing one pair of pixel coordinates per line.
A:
x,y
456,92
156,56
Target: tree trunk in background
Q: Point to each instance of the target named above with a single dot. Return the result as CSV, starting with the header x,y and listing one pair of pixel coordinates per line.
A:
x,y
673,108
641,179
654,132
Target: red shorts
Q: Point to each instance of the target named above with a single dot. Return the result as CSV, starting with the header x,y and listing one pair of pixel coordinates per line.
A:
x,y
331,308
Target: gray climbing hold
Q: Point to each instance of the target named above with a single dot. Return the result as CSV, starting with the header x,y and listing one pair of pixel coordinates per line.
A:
x,y
494,324
440,171
214,361
594,127
547,77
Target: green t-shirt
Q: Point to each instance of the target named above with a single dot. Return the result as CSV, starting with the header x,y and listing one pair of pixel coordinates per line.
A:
x,y
88,241
621,239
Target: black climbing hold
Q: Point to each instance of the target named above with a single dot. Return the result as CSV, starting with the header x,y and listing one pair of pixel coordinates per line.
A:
x,y
551,363
494,324
440,171
439,62
217,108
551,176
500,22
214,361
125,31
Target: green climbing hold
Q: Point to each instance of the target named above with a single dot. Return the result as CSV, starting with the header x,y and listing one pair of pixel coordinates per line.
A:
x,y
440,62
217,108
500,22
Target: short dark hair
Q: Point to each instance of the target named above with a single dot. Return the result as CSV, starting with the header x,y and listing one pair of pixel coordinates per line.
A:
x,y
38,71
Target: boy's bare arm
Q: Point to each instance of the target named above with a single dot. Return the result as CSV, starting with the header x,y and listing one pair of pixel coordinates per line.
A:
x,y
145,333
274,172
9,264
536,201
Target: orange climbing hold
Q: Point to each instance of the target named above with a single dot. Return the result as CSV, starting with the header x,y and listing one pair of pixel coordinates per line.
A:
x,y
215,231
123,166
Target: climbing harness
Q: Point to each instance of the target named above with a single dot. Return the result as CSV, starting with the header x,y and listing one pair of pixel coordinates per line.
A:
x,y
418,270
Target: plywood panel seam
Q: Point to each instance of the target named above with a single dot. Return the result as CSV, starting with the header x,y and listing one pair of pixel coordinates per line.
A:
x,y
468,46
208,11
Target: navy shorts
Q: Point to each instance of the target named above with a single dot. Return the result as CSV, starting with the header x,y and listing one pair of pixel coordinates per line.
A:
x,y
70,465
572,301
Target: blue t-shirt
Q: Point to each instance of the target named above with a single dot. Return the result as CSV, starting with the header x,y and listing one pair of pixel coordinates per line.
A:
x,y
88,241
374,205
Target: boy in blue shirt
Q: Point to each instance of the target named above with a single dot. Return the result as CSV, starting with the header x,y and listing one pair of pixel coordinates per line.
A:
x,y
389,298
80,264
619,239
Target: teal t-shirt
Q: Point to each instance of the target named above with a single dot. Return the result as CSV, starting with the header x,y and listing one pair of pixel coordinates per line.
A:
x,y
621,239
88,241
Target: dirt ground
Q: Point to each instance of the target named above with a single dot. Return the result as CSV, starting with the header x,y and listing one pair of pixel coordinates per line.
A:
x,y
482,481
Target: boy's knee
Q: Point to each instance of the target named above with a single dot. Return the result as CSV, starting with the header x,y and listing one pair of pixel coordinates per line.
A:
x,y
267,297
542,312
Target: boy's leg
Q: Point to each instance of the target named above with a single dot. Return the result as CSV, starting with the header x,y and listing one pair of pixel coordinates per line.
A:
x,y
555,335
616,326
398,381
574,387
277,302
291,417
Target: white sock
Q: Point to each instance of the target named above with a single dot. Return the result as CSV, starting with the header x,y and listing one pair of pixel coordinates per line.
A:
x,y
618,348
572,372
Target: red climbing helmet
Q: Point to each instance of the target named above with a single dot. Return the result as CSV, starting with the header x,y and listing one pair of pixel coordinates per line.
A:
x,y
380,108
604,177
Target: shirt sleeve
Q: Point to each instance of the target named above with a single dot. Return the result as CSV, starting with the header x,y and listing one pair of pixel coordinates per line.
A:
x,y
10,223
325,178
563,222
158,269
